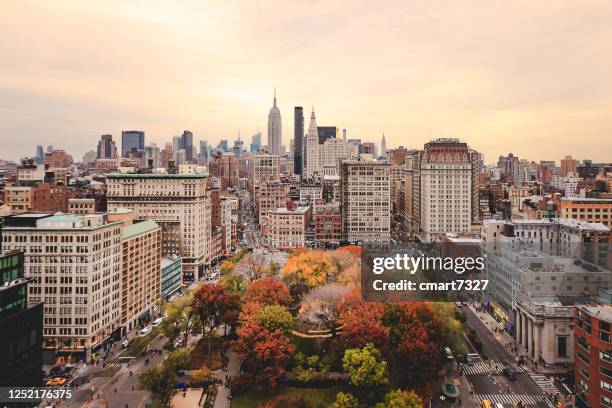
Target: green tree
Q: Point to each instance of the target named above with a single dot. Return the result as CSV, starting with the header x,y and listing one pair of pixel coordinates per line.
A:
x,y
139,344
275,317
233,282
177,359
160,382
401,399
345,400
365,366
181,318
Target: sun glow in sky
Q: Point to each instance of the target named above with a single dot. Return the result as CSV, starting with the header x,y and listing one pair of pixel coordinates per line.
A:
x,y
532,78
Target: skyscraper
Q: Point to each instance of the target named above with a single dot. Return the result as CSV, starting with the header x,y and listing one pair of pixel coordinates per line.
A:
x,y
40,154
132,141
204,151
106,148
274,129
383,146
312,147
187,139
327,132
298,136
256,142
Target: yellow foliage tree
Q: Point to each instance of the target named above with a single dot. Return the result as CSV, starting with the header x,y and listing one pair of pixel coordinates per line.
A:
x,y
311,268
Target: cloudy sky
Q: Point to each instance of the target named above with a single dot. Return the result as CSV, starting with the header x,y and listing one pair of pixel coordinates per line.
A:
x,y
530,77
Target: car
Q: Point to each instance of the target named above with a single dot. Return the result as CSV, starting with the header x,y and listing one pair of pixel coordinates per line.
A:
x,y
178,343
458,304
511,375
56,381
56,370
125,344
157,321
146,331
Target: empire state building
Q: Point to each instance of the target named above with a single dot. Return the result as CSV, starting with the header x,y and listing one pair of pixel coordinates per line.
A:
x,y
274,129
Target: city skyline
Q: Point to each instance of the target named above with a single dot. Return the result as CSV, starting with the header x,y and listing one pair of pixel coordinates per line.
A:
x,y
418,71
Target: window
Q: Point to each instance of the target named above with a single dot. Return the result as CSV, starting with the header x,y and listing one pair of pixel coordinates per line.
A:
x,y
562,346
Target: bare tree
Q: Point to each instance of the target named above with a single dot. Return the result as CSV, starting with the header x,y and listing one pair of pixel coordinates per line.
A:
x,y
320,306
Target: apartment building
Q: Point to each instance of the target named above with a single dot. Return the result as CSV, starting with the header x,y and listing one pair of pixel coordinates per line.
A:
x,y
270,196
327,224
286,228
593,354
74,262
179,203
365,201
263,167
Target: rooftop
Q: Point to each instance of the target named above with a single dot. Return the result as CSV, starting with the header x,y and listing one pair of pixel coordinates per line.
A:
x,y
602,312
138,228
591,200
154,176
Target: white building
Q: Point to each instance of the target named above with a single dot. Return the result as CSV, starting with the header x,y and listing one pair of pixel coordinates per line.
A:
x,y
311,148
75,265
178,203
567,184
445,188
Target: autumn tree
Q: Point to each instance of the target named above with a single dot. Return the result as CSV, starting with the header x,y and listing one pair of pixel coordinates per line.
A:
x,y
181,318
362,323
215,306
365,366
321,306
310,268
345,400
268,291
401,399
265,353
275,317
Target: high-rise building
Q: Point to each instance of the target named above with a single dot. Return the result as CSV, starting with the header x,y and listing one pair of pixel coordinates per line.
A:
x,y
75,265
311,149
166,155
298,137
187,144
568,165
256,142
223,145
263,167
365,193
57,159
327,132
132,141
152,156
106,148
509,169
204,154
274,129
40,154
177,143
178,203
446,188
21,324
383,146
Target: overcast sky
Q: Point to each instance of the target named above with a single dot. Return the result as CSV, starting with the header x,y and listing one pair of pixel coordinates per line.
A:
x,y
529,77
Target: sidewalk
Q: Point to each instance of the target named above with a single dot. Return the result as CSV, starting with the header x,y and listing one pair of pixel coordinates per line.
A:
x,y
232,370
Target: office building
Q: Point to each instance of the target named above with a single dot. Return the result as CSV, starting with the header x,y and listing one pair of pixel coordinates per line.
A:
x,y
106,148
365,193
269,195
178,203
263,167
187,145
298,137
586,209
57,159
255,142
132,142
21,324
383,146
327,132
75,265
275,129
140,268
171,276
327,224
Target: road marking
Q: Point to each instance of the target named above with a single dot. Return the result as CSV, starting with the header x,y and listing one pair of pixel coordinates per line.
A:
x,y
544,383
486,368
510,399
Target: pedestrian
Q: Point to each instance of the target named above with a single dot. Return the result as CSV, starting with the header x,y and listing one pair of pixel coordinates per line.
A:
x,y
115,390
132,388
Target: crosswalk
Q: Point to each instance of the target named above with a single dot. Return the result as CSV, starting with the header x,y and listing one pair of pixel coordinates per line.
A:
x,y
511,399
544,383
482,368
117,365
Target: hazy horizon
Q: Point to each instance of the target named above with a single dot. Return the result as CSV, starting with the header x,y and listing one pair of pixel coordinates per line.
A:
x,y
522,77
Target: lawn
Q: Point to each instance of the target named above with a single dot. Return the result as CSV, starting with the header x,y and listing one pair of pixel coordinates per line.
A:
x,y
316,397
